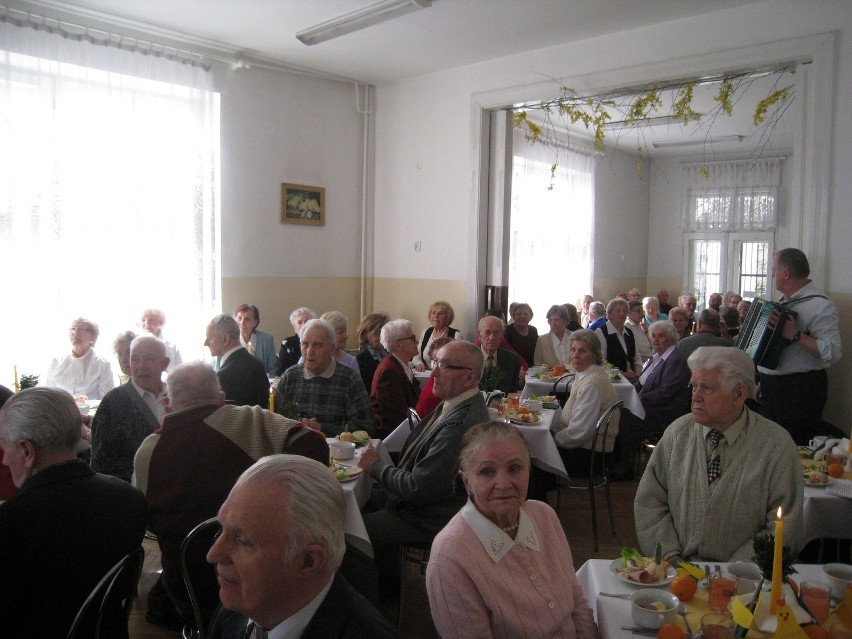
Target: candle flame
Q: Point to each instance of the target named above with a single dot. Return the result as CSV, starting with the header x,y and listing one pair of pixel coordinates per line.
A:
x,y
780,512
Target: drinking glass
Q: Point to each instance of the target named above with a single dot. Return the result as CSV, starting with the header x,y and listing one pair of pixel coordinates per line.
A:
x,y
723,586
817,598
717,626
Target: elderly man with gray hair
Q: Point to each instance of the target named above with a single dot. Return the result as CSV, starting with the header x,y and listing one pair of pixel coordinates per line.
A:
x,y
243,378
330,395
718,475
183,490
67,525
394,389
278,554
706,334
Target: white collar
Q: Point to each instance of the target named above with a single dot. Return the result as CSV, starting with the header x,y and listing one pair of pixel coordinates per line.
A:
x,y
225,356
668,352
328,373
495,540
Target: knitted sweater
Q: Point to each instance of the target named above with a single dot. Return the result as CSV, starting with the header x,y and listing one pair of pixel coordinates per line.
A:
x,y
580,427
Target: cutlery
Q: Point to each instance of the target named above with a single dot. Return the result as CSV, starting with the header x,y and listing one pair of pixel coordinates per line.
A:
x,y
681,609
636,630
615,594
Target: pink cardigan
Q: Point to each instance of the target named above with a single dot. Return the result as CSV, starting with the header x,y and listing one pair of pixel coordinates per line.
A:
x,y
527,593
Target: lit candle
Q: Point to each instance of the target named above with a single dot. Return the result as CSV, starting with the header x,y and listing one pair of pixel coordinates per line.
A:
x,y
777,561
272,400
17,387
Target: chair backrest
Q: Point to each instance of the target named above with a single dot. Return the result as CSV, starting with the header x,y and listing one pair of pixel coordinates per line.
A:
x,y
115,590
562,396
413,418
198,575
599,438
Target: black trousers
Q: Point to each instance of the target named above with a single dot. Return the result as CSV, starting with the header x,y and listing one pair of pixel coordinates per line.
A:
x,y
795,401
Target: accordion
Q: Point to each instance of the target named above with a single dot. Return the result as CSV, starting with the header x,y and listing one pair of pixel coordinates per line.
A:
x,y
761,342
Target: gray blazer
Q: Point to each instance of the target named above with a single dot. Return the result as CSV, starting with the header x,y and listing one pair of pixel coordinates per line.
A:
x,y
423,484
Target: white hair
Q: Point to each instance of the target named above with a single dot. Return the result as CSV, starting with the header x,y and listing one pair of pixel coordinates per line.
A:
x,y
394,330
318,323
732,364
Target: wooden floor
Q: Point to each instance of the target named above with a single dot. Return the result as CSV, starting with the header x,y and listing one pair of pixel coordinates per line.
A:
x,y
573,513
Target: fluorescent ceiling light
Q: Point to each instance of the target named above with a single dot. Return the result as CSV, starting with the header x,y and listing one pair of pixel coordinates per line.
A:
x,y
360,19
671,144
662,120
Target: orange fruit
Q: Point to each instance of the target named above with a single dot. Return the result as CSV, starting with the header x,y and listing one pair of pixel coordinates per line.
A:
x,y
835,470
670,631
816,632
684,586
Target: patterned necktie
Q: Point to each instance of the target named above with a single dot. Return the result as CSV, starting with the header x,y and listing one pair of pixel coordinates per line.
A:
x,y
714,462
253,631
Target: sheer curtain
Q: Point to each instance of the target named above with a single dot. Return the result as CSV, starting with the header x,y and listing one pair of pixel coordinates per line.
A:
x,y
731,196
551,228
108,173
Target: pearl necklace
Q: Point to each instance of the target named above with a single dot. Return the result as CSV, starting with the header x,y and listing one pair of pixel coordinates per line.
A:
x,y
511,528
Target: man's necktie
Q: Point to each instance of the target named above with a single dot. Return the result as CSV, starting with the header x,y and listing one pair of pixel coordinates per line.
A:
x,y
714,462
254,631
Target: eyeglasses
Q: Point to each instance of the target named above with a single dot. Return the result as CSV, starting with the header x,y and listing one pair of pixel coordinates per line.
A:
x,y
444,366
410,337
80,329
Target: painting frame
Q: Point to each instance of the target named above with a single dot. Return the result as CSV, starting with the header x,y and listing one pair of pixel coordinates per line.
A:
x,y
302,204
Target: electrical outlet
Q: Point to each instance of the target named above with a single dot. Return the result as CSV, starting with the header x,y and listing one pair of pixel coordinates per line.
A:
x,y
418,246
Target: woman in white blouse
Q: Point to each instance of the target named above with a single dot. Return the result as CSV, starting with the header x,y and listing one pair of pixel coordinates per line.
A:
x,y
82,371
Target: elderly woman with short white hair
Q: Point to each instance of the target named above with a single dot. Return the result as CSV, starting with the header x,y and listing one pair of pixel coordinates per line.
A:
x,y
341,336
82,372
291,348
652,311
394,388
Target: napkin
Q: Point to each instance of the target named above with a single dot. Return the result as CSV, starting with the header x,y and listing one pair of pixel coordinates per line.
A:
x,y
764,620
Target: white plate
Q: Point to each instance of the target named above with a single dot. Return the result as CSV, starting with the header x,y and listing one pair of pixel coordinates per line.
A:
x,y
352,472
523,423
615,564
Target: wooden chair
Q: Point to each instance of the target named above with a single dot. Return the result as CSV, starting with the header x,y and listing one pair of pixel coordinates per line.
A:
x,y
194,546
597,471
414,554
117,587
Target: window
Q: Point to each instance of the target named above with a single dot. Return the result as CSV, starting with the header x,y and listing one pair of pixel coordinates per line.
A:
x,y
730,214
108,172
551,227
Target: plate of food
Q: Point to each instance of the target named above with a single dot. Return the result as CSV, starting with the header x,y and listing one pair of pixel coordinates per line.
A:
x,y
816,479
635,569
547,401
359,437
347,473
524,419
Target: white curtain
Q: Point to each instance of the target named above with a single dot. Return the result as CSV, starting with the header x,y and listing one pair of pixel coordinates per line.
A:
x,y
108,167
551,228
731,196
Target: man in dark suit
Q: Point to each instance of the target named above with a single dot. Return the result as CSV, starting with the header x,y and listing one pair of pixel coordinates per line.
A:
x,y
394,389
421,484
281,544
242,377
502,368
130,412
706,334
66,527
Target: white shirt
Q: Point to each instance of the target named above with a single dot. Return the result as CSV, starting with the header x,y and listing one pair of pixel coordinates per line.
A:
x,y
224,358
154,402
89,375
560,347
408,373
327,373
643,344
637,359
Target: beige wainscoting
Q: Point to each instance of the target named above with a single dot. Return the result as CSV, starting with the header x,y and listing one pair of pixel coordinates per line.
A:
x,y
410,299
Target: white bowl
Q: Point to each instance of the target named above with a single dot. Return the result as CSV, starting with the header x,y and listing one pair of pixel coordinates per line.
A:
x,y
838,576
84,409
534,405
653,618
493,413
342,450
748,576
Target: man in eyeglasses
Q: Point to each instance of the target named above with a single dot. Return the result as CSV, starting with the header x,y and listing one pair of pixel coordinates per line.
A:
x,y
420,486
719,474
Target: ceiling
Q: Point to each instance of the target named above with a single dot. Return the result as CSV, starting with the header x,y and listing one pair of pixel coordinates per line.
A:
x,y
448,34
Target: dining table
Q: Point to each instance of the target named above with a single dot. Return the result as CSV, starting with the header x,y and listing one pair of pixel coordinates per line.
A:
x,y
827,514
611,613
543,450
356,492
626,391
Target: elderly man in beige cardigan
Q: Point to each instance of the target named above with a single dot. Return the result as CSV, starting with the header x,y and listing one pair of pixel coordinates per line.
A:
x,y
719,474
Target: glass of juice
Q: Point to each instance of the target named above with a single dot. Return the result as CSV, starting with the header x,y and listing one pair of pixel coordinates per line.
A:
x,y
817,598
723,586
717,626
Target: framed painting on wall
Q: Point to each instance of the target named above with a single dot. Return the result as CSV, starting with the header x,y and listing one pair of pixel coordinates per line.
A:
x,y
302,204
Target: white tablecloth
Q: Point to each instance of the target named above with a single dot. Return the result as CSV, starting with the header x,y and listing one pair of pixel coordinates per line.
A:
x,y
826,515
356,493
543,449
625,390
611,613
